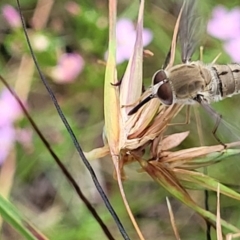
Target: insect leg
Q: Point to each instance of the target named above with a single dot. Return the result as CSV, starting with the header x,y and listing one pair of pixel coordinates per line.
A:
x,y
187,120
211,111
199,125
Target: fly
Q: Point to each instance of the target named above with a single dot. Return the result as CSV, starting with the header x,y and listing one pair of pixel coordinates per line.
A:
x,y
192,82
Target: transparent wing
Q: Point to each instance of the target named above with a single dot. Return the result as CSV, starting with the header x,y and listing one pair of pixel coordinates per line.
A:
x,y
191,29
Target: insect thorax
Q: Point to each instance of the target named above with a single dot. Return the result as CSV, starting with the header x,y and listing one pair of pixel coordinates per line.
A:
x,y
211,81
189,80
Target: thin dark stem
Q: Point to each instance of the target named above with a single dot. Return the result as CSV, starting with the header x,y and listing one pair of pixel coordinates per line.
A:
x,y
206,204
208,225
59,163
72,135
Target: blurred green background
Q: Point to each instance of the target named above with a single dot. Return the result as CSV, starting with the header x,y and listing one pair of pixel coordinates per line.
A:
x,y
37,187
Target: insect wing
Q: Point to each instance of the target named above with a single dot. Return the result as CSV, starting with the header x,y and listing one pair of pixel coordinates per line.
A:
x,y
191,29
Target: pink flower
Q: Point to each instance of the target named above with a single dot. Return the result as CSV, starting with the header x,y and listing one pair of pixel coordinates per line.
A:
x,y
7,138
232,48
9,108
72,7
9,112
126,36
12,16
224,24
69,67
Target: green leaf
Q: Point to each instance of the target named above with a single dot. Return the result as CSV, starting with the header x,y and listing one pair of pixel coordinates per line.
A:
x,y
111,100
199,179
11,216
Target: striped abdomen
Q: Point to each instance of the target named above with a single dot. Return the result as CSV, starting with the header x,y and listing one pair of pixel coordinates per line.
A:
x,y
228,78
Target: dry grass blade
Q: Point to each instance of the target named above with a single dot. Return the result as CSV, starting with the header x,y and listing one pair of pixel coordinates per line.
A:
x,y
111,100
175,230
174,39
218,223
115,116
100,152
166,178
186,155
119,179
173,140
231,236
133,70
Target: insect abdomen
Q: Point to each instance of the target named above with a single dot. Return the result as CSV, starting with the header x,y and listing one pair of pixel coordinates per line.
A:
x,y
228,79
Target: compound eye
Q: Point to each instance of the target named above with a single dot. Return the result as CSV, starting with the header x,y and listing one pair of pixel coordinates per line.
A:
x,y
159,77
164,92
